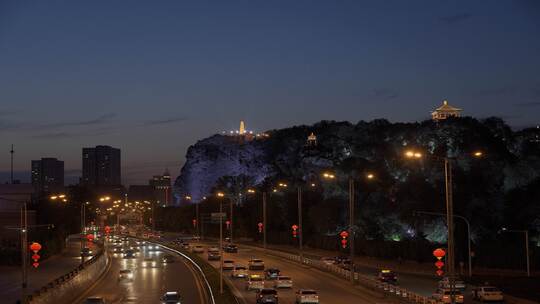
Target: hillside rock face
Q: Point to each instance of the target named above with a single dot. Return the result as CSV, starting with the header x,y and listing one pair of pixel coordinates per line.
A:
x,y
512,161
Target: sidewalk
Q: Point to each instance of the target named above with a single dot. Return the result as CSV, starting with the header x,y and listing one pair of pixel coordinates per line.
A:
x,y
50,269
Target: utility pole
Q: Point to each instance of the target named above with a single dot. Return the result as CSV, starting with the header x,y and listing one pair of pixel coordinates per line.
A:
x,y
264,220
197,232
351,225
231,222
83,222
221,246
300,227
450,224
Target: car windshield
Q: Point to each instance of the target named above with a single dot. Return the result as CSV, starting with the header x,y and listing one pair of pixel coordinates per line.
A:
x,y
125,271
172,297
309,292
240,268
228,261
284,278
256,279
268,292
256,261
93,301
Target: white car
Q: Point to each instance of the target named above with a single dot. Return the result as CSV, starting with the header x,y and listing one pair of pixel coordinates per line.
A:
x,y
305,296
255,282
487,293
444,296
228,264
256,264
125,274
149,262
239,272
445,284
283,282
197,249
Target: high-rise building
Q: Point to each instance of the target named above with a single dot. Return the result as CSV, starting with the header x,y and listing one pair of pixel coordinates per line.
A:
x,y
101,166
162,188
47,175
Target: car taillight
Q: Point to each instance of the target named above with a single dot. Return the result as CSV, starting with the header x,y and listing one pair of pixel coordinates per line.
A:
x,y
446,297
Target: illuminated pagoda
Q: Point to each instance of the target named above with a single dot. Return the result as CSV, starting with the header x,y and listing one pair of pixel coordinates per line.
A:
x,y
445,111
311,140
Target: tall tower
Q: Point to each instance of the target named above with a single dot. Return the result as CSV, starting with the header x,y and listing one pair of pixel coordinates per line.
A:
x,y
242,129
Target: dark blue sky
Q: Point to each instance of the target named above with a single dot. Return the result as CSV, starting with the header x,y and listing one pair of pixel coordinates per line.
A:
x,y
152,77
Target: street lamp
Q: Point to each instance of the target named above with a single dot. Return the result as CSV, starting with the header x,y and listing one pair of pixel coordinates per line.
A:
x,y
332,176
526,232
253,191
221,195
447,161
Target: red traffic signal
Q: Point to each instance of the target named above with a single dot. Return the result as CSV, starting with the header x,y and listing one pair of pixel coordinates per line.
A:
x,y
439,253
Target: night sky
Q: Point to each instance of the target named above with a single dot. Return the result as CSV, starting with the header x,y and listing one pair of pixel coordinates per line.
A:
x,y
153,77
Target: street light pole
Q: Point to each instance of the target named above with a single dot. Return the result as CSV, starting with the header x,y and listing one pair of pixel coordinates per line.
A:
x,y
24,249
450,224
351,224
83,214
264,219
526,232
221,246
231,222
300,227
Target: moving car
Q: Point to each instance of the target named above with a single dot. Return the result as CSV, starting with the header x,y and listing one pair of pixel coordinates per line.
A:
x,y
125,274
149,262
167,259
445,284
239,272
152,247
487,293
305,296
328,260
256,264
197,249
228,265
387,276
443,296
171,297
271,273
214,256
86,252
283,282
230,248
267,295
95,300
255,282
129,254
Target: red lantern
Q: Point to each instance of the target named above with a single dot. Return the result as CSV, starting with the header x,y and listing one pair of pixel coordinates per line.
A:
x,y
294,228
107,229
228,224
260,227
439,272
344,243
344,235
194,222
439,253
35,257
35,247
35,264
90,237
439,264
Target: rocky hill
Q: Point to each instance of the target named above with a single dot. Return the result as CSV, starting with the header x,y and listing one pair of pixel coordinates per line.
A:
x,y
509,170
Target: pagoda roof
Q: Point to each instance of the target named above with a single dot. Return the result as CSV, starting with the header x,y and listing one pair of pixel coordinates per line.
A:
x,y
447,108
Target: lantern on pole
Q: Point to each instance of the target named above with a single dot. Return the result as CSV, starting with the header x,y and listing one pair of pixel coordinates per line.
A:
x,y
90,237
294,230
260,227
344,235
439,272
194,222
439,253
107,230
35,247
228,224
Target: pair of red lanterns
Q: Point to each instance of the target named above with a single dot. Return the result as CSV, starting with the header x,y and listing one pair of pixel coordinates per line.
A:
x,y
439,253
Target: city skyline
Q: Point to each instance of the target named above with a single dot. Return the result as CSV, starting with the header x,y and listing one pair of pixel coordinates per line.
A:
x,y
141,81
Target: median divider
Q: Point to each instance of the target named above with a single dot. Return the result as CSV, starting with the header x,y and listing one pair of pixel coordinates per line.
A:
x,y
67,288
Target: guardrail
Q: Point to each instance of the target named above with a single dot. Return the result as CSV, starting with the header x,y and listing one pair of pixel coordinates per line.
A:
x,y
364,280
66,287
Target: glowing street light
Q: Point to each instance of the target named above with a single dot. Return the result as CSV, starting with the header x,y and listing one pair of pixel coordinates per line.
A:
x,y
328,175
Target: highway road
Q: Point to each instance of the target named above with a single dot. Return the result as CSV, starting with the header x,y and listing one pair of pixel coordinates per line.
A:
x,y
148,283
330,288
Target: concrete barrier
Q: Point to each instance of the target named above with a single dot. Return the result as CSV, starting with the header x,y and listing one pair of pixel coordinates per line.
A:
x,y
69,287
